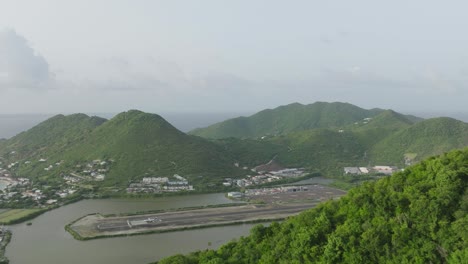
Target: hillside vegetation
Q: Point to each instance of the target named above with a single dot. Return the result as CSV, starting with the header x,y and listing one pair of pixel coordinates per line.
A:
x,y
387,138
321,137
138,144
415,216
429,137
146,144
55,134
290,118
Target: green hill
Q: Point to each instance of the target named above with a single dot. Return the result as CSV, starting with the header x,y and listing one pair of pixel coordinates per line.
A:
x,y
320,149
425,138
293,118
289,118
415,216
145,144
55,134
372,141
142,144
137,143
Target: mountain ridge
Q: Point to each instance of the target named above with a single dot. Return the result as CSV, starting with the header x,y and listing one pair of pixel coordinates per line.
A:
x,y
289,118
144,144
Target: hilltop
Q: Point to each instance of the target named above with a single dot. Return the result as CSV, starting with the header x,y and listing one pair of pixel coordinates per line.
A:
x,y
290,118
415,216
134,144
387,138
143,144
57,133
320,137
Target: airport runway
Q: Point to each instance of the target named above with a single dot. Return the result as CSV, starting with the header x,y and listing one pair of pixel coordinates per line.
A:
x,y
198,217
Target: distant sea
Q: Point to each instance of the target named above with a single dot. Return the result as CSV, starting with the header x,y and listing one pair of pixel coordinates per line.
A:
x,y
10,125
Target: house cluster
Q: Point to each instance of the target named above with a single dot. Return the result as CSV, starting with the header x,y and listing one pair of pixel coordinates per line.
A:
x,y
176,183
387,170
7,181
90,171
265,177
12,165
364,121
35,194
65,192
4,173
22,191
269,191
51,166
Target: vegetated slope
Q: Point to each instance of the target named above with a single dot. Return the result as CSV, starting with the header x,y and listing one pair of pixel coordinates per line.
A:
x,y
425,138
415,216
289,118
330,150
139,144
251,152
320,149
358,144
53,135
370,132
387,119
145,144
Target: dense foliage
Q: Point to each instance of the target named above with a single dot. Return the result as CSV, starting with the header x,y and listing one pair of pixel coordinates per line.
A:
x,y
138,143
415,216
293,118
55,134
286,119
424,138
321,137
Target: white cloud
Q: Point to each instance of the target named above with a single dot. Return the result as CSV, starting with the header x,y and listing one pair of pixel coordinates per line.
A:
x,y
20,66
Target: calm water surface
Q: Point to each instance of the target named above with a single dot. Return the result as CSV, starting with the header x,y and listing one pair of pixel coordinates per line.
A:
x,y
46,241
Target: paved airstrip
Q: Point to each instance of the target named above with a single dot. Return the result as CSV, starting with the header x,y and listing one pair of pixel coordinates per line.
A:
x,y
291,203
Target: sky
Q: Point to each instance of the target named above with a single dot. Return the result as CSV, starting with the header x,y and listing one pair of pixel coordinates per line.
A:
x,y
63,56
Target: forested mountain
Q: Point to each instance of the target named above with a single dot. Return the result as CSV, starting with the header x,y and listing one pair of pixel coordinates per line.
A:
x,y
138,143
425,138
55,134
146,144
415,216
388,138
290,118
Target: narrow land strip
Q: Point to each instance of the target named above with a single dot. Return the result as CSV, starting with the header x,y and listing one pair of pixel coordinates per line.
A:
x,y
99,226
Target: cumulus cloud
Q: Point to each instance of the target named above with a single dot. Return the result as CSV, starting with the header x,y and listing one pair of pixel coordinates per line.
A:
x,y
21,67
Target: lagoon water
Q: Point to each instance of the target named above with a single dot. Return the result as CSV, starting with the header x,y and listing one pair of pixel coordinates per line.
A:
x,y
46,241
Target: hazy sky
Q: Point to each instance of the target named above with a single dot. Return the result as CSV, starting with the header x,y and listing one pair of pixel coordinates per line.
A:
x,y
231,56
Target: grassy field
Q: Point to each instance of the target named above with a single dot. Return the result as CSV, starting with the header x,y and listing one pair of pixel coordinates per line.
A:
x,y
18,215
